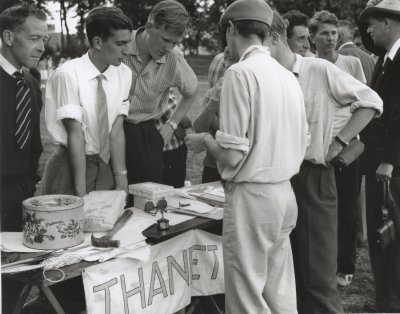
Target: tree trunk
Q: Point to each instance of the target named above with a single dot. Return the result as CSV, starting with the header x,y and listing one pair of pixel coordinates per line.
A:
x,y
64,14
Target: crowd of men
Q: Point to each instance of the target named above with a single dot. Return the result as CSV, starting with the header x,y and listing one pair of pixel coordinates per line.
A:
x,y
286,96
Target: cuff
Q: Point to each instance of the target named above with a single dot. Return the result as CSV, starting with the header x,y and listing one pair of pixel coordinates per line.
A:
x,y
366,104
70,112
232,142
124,108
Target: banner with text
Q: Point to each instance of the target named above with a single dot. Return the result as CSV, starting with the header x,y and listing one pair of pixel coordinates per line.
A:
x,y
188,265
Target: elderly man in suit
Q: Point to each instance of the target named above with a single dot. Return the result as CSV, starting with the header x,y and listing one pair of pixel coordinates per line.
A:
x,y
23,32
380,28
346,47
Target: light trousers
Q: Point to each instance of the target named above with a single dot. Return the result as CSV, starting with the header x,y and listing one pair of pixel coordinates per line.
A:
x,y
258,265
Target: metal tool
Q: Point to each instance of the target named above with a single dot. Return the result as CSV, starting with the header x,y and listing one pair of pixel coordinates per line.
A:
x,y
106,240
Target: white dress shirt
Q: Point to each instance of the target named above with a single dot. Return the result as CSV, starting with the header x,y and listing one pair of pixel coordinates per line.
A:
x,y
71,93
391,54
262,114
330,95
7,66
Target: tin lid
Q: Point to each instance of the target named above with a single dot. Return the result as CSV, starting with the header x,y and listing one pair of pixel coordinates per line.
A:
x,y
52,202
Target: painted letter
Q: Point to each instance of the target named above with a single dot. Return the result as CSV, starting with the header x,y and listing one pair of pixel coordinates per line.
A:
x,y
171,261
214,248
128,294
194,261
163,289
106,286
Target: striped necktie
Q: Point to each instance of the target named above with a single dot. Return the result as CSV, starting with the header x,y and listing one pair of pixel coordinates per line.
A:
x,y
23,112
102,118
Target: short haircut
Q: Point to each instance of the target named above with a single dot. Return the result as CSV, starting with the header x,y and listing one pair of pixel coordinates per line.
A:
x,y
295,18
171,15
279,25
348,26
13,17
102,20
247,28
322,17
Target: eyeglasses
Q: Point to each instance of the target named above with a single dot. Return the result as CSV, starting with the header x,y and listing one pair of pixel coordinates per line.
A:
x,y
152,209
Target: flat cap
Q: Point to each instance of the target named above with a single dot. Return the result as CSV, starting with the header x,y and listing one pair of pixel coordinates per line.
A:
x,y
385,6
247,10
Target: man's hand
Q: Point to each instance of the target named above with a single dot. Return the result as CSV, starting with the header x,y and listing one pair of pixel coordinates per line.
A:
x,y
334,149
384,172
180,132
121,183
166,132
186,123
194,142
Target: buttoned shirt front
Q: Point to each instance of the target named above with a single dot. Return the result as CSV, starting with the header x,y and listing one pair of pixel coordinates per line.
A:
x,y
151,82
71,94
262,114
329,92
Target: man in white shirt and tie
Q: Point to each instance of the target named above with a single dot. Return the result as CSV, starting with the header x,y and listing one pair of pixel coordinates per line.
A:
x,y
86,102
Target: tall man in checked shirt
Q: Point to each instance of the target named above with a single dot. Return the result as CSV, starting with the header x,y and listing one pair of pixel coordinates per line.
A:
x,y
157,64
328,92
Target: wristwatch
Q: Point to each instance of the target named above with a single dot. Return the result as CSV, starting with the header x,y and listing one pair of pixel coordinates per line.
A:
x,y
341,141
173,125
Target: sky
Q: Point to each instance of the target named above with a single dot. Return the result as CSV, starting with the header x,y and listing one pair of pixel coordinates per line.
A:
x,y
54,9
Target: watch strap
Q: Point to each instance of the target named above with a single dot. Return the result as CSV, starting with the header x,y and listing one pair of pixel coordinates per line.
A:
x,y
341,141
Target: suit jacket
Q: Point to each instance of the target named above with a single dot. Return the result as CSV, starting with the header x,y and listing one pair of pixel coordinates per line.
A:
x,y
366,60
14,162
382,136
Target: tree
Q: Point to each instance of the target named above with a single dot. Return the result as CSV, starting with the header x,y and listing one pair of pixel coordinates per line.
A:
x,y
344,9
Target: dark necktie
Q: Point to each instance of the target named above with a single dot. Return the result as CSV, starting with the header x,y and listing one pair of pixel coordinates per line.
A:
x,y
381,73
23,112
102,117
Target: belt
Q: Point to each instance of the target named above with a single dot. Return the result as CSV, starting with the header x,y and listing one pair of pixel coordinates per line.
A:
x,y
94,158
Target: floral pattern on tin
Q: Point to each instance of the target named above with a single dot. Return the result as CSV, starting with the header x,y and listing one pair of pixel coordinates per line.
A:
x,y
35,229
71,230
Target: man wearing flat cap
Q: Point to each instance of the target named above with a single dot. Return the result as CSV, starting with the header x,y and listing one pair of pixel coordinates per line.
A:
x,y
259,147
380,27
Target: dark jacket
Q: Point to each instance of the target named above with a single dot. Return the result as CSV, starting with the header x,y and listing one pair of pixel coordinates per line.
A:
x,y
382,136
14,162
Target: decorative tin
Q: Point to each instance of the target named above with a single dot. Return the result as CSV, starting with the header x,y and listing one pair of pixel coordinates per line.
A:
x,y
53,221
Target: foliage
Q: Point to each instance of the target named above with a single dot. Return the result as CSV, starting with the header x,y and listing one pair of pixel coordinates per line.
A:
x,y
344,9
205,16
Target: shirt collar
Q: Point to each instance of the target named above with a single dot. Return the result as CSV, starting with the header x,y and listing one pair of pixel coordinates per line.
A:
x,y
392,53
7,66
346,44
297,64
133,49
91,71
252,49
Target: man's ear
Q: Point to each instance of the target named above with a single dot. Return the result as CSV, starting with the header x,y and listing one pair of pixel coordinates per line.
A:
x,y
149,25
231,28
8,37
275,37
97,42
312,38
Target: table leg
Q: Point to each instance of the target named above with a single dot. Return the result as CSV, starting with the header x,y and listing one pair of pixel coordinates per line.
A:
x,y
22,298
52,299
219,311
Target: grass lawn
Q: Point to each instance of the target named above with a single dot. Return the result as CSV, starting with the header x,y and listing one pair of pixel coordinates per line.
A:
x,y
356,298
